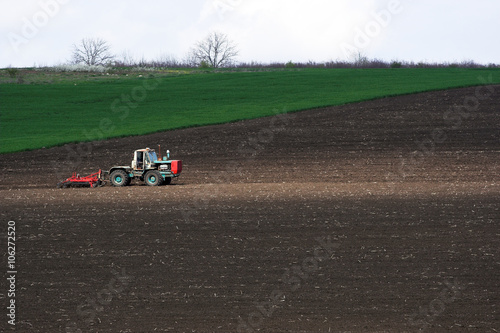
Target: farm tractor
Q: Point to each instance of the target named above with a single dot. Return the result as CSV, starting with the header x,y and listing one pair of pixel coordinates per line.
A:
x,y
146,166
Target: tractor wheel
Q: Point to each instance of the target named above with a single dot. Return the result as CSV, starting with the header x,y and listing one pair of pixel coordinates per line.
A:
x,y
167,181
153,178
119,178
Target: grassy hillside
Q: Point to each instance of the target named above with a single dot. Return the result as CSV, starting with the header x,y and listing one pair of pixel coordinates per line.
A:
x,y
43,115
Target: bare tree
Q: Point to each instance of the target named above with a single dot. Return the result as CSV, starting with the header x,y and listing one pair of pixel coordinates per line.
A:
x,y
127,58
216,50
92,51
359,59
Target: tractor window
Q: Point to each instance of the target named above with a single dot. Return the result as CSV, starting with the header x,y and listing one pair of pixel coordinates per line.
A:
x,y
139,157
152,156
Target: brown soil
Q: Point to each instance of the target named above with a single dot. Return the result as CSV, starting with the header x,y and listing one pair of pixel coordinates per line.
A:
x,y
378,216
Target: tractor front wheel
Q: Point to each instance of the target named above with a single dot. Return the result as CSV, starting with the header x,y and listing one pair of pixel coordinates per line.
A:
x,y
119,178
153,178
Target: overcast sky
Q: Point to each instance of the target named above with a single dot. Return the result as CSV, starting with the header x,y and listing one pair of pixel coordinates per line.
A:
x,y
41,32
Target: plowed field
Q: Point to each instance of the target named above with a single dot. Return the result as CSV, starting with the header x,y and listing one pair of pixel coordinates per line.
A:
x,y
381,216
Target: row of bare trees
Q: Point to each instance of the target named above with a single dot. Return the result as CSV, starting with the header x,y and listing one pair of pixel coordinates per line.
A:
x,y
215,51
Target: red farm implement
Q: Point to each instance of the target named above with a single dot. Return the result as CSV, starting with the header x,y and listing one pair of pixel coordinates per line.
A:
x,y
93,180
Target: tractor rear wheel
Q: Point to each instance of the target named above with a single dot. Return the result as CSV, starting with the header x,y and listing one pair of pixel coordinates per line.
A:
x,y
153,178
119,178
167,181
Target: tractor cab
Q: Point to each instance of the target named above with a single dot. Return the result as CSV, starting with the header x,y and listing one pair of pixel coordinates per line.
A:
x,y
144,159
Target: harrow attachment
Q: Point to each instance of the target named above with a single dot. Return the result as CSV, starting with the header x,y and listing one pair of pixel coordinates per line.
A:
x,y
94,180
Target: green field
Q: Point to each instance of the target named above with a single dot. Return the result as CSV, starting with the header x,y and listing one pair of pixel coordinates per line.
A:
x,y
44,114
